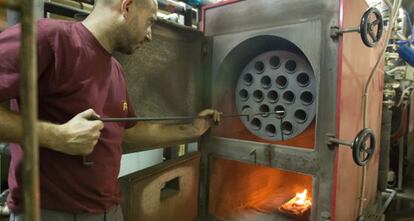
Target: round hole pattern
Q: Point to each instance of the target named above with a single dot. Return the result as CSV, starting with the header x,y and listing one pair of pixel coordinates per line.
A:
x,y
266,82
290,65
244,94
279,88
289,96
300,116
280,111
281,81
270,130
258,95
306,97
256,124
273,96
259,66
265,109
248,79
275,61
287,128
303,79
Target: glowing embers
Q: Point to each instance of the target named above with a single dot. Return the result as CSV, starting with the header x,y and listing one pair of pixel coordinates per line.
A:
x,y
298,205
282,86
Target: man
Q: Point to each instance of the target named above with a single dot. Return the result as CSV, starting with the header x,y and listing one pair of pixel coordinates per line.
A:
x,y
79,80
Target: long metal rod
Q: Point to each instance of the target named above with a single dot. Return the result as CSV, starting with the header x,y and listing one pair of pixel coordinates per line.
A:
x,y
174,118
28,95
400,163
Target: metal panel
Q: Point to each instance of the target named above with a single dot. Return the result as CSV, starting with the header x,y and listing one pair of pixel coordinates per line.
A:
x,y
168,191
261,14
357,61
165,76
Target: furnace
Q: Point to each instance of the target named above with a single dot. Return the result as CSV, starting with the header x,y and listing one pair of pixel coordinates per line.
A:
x,y
287,62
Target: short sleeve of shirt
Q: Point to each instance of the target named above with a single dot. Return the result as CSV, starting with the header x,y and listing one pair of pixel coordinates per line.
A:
x,y
10,59
131,113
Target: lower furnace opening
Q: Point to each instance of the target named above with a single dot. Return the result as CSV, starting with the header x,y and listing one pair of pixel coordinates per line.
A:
x,y
241,191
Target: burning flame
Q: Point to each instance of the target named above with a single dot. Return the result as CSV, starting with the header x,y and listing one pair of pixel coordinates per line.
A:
x,y
298,205
301,198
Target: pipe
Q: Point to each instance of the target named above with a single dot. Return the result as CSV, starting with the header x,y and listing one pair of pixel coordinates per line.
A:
x,y
389,199
394,8
385,149
399,68
402,127
405,91
28,95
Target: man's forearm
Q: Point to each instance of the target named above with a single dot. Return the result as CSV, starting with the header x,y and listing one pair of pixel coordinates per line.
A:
x,y
145,135
11,129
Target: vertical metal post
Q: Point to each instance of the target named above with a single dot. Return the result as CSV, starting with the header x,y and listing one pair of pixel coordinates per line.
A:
x,y
28,95
400,163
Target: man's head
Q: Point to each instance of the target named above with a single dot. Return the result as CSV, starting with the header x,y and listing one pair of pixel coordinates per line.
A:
x,y
134,19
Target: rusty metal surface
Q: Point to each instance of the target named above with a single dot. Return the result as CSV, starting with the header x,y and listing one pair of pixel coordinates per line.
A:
x,y
147,197
354,75
165,76
308,28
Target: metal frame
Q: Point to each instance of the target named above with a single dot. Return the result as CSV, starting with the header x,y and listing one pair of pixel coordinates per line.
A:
x,y
28,95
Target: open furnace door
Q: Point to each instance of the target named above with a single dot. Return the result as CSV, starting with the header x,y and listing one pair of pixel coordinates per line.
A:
x,y
165,78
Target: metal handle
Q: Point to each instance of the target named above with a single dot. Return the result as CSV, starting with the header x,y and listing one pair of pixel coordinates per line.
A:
x,y
369,36
360,152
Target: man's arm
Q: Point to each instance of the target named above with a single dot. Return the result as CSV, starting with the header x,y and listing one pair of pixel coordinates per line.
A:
x,y
145,134
76,137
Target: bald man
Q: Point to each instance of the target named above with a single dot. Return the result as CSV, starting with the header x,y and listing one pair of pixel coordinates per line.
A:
x,y
78,81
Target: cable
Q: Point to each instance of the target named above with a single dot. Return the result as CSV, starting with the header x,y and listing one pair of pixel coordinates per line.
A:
x,y
394,8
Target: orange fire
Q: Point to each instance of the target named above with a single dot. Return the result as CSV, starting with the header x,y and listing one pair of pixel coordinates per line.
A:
x,y
298,205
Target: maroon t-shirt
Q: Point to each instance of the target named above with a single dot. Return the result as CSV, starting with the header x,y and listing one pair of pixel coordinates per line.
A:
x,y
75,73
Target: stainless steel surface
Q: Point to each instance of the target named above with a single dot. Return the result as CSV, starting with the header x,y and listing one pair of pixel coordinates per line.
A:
x,y
277,81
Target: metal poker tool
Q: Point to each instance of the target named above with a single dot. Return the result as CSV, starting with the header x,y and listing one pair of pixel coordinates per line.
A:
x,y
176,118
247,114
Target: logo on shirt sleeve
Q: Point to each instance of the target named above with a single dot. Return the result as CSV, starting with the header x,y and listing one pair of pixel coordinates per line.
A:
x,y
124,105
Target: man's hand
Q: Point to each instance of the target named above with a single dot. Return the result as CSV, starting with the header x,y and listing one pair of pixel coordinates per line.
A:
x,y
80,134
205,119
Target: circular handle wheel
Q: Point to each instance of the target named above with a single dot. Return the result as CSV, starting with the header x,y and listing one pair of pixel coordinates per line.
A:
x,y
360,152
371,31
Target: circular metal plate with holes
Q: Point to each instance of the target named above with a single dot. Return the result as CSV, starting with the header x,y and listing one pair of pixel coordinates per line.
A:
x,y
282,84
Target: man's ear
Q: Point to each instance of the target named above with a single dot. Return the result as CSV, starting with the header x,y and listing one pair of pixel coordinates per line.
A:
x,y
126,7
